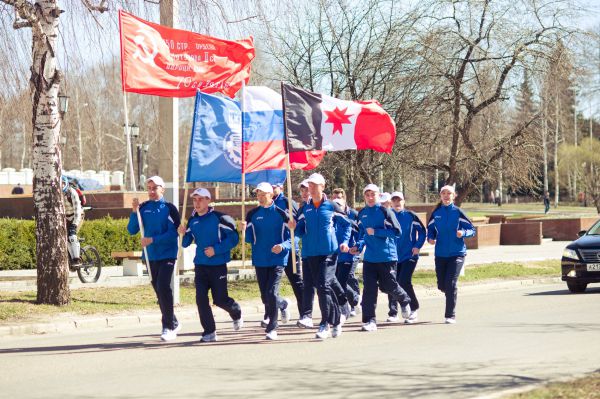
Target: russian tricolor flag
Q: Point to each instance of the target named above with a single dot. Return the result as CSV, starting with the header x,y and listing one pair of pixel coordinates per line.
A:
x,y
263,139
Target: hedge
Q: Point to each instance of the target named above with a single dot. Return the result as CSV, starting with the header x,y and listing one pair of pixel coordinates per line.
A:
x,y
17,241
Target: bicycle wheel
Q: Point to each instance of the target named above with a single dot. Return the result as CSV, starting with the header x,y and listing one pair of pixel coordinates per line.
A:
x,y
91,265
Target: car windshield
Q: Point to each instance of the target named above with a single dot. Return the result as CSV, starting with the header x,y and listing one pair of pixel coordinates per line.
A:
x,y
595,229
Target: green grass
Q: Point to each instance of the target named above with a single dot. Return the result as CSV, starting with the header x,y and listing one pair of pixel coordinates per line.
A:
x,y
21,306
582,388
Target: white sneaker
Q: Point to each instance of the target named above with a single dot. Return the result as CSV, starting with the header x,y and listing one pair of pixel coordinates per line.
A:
x,y
450,320
264,323
305,322
212,337
284,310
405,311
353,312
271,335
238,324
168,335
412,318
323,332
370,326
392,319
336,331
343,319
178,328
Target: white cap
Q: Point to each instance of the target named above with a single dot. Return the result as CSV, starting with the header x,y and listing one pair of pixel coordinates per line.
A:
x,y
264,187
385,197
303,183
275,185
398,194
449,188
157,180
201,192
316,178
371,187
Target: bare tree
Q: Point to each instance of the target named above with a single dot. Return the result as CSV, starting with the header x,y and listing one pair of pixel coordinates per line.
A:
x,y
42,16
475,38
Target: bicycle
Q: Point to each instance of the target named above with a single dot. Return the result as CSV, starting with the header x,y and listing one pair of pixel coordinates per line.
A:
x,y
90,267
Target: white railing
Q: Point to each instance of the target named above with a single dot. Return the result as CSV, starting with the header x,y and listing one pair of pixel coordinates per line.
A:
x,y
24,176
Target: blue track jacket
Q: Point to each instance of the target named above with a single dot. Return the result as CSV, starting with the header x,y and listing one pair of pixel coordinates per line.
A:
x,y
381,247
161,220
213,229
443,224
318,226
266,227
412,235
347,256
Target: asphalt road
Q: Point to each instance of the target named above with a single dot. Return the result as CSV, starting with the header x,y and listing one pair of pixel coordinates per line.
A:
x,y
503,339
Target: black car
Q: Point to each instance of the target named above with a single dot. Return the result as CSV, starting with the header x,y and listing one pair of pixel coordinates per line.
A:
x,y
580,261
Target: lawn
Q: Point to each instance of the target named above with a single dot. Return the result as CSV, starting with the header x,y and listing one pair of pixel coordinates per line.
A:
x,y
587,387
21,306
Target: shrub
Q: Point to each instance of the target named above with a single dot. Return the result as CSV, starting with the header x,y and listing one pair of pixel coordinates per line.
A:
x,y
17,241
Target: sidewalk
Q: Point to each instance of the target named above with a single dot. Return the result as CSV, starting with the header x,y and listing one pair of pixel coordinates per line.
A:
x,y
112,276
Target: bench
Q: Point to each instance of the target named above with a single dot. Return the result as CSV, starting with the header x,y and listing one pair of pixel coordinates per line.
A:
x,y
131,260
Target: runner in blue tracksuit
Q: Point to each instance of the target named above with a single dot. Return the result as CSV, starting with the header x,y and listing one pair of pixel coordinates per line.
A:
x,y
267,232
317,226
161,220
447,229
215,236
308,292
347,262
295,279
378,229
408,245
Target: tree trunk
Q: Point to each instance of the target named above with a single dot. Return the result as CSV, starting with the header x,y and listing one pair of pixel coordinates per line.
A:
x,y
51,247
556,174
545,147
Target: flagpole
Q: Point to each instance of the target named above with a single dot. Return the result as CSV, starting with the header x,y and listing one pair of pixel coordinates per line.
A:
x,y
289,182
129,157
243,179
180,258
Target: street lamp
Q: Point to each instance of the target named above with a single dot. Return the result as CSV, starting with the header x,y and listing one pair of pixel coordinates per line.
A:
x,y
131,131
63,104
135,130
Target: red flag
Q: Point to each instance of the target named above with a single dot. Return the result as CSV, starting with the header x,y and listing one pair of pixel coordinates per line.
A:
x,y
168,62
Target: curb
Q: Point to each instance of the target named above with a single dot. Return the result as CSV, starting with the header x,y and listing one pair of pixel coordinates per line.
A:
x,y
251,308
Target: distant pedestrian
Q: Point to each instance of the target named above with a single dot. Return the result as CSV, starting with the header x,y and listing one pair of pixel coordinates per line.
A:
x,y
161,220
408,245
498,199
17,189
447,229
378,229
215,236
546,202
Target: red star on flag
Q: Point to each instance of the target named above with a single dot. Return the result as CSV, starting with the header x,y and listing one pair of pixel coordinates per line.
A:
x,y
338,117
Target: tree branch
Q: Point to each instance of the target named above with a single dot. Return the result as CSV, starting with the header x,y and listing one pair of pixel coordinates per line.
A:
x,y
101,7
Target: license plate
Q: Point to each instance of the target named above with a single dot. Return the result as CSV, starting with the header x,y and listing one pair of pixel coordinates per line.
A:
x,y
593,267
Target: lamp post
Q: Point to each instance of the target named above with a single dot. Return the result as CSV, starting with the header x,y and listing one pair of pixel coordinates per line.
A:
x,y
132,130
63,104
142,159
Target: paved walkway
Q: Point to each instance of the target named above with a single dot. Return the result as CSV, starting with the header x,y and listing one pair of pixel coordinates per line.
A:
x,y
112,276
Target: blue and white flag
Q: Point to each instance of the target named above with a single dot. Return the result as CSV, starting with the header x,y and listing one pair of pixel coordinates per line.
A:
x,y
216,144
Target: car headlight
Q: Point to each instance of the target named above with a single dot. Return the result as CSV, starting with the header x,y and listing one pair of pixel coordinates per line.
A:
x,y
570,254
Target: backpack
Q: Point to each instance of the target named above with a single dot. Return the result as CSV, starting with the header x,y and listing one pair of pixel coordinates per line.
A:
x,y
80,194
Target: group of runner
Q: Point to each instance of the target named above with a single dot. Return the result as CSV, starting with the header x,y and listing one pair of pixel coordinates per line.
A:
x,y
334,236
